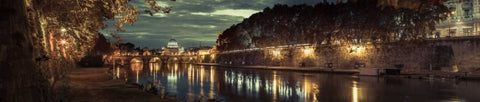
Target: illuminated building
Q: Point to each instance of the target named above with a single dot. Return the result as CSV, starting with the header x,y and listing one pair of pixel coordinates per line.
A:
x,y
464,19
172,48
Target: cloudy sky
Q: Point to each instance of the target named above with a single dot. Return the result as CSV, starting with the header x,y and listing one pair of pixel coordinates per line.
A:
x,y
192,22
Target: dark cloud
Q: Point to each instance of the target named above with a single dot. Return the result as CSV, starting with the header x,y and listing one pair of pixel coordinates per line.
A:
x,y
192,22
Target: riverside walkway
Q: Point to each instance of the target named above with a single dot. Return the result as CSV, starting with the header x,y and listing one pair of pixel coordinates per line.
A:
x,y
96,85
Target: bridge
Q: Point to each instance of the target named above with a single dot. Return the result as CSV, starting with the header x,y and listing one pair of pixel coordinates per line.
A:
x,y
156,59
457,52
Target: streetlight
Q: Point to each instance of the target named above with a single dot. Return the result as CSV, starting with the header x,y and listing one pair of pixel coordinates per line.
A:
x,y
63,42
276,53
356,48
308,51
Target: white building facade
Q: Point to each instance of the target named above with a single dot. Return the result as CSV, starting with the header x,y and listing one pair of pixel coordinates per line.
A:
x,y
173,48
465,19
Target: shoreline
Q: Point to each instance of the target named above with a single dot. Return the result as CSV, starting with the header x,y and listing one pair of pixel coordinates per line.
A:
x,y
282,68
96,84
346,71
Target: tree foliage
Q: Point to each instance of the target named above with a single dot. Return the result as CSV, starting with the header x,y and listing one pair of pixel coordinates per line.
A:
x,y
78,21
359,21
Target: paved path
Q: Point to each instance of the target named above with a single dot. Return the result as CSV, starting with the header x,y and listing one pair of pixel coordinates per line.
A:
x,y
96,85
306,69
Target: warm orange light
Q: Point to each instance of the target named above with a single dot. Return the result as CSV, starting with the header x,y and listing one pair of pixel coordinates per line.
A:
x,y
357,49
355,92
203,52
308,51
276,53
63,42
212,56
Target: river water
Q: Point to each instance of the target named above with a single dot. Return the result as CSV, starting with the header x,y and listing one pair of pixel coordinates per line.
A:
x,y
189,82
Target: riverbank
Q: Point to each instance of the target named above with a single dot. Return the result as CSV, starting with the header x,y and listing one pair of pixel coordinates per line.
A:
x,y
286,68
96,85
350,71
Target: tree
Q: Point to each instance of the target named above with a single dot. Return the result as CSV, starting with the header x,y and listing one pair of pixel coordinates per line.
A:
x,y
354,22
45,38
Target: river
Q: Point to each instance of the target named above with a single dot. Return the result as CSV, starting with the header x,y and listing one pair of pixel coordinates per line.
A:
x,y
189,82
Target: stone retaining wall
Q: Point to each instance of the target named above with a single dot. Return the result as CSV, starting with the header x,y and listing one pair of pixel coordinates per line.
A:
x,y
446,55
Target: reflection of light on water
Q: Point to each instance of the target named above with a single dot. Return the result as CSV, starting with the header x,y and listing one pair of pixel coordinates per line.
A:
x,y
306,89
154,67
257,84
136,67
189,75
172,78
151,67
354,92
118,72
137,72
190,81
274,86
240,81
202,73
172,81
176,67
212,80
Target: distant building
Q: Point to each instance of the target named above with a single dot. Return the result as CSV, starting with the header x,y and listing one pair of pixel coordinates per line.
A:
x,y
197,50
465,19
173,48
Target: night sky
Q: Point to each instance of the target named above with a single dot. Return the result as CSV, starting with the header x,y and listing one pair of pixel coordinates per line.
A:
x,y
192,22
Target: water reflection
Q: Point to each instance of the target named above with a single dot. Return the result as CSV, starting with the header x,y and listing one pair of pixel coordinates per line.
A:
x,y
354,92
136,67
206,83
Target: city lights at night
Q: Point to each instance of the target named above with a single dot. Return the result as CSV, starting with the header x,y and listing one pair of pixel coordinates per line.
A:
x,y
240,51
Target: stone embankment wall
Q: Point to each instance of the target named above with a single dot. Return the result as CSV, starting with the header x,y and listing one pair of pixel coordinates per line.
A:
x,y
20,80
446,55
29,71
465,52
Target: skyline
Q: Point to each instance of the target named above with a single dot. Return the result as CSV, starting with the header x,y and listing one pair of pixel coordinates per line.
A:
x,y
191,22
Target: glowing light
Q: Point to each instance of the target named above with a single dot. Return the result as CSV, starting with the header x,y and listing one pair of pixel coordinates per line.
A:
x,y
63,41
274,86
308,52
203,52
118,72
276,53
63,30
212,56
357,49
354,92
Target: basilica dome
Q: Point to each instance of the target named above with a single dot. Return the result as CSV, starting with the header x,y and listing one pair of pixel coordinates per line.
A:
x,y
172,43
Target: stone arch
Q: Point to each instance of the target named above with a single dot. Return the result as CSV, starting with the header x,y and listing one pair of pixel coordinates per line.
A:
x,y
136,60
155,60
173,60
191,59
116,61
